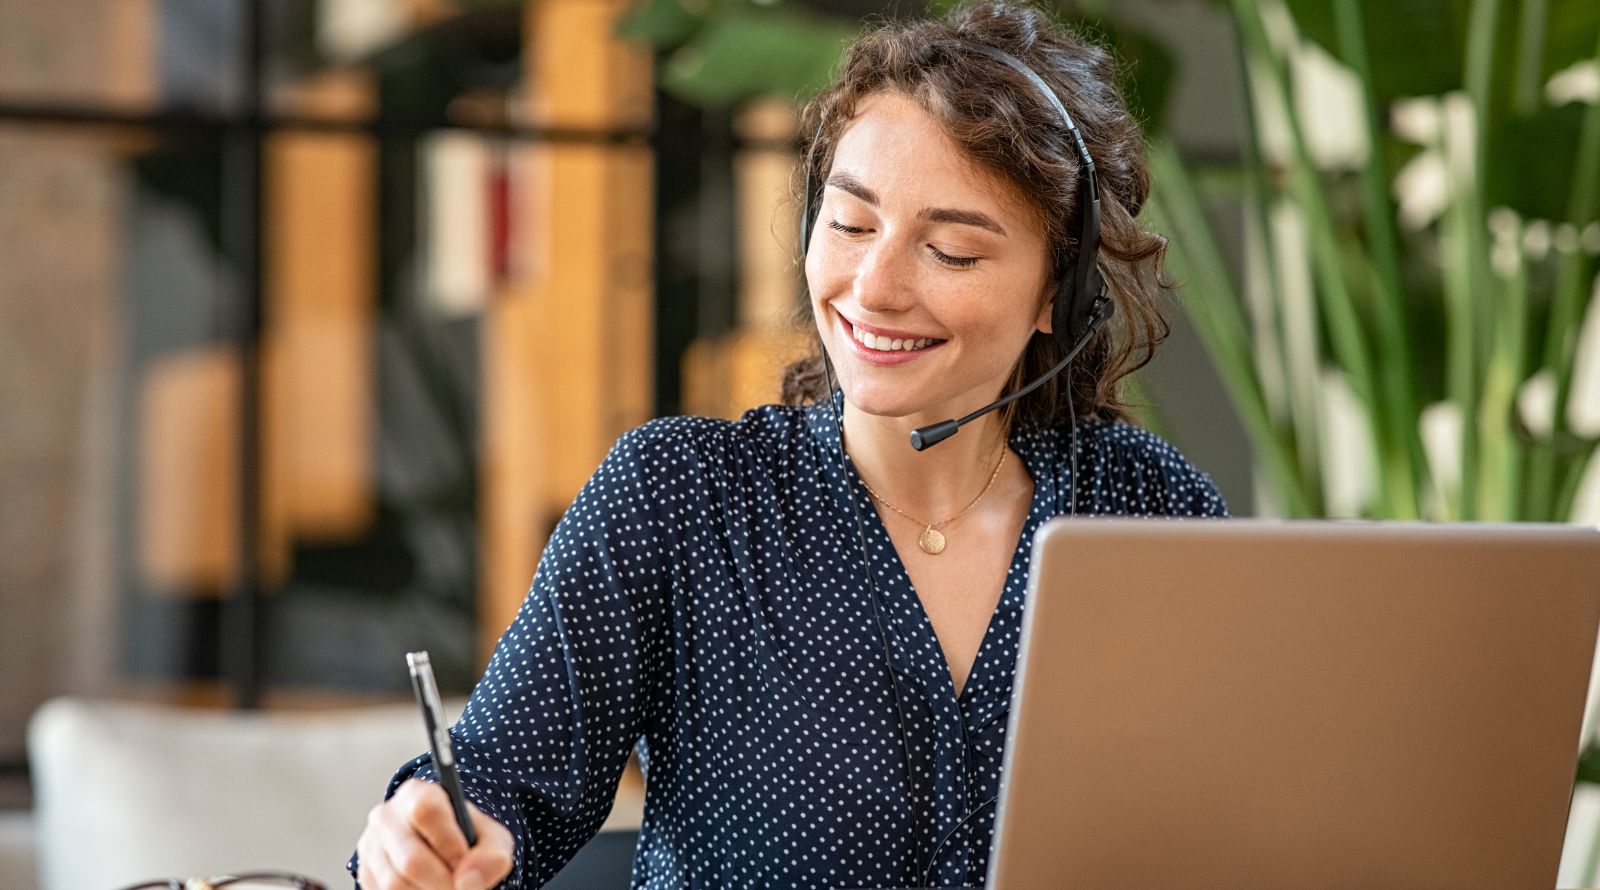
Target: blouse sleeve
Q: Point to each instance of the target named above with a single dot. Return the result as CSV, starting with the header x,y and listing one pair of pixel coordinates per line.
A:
x,y
1141,474
581,671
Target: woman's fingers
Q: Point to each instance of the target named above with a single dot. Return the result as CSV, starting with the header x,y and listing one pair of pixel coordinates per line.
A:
x,y
412,842
366,875
486,864
377,871
426,808
402,857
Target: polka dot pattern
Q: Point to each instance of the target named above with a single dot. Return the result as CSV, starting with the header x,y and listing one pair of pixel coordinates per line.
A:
x,y
704,599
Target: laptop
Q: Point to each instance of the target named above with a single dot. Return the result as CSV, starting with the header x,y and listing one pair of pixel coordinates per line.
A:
x,y
1297,705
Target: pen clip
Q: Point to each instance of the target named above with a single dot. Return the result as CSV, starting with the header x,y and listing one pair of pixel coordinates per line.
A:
x,y
432,708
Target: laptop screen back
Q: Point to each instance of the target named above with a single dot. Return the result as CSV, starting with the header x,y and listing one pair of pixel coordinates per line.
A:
x,y
1286,705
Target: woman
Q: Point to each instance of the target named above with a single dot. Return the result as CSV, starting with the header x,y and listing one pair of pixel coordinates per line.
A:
x,y
818,689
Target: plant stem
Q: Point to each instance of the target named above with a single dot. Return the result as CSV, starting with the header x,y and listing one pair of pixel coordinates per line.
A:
x,y
1530,55
1343,321
1572,480
1561,335
1219,320
1473,323
1402,449
1501,457
1288,353
1271,338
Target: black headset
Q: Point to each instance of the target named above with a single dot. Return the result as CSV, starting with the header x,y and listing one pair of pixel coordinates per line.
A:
x,y
1080,308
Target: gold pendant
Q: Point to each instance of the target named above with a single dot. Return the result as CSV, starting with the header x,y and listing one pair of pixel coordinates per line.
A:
x,y
931,541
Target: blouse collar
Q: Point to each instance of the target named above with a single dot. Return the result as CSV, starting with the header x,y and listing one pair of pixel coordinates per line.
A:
x,y
1040,449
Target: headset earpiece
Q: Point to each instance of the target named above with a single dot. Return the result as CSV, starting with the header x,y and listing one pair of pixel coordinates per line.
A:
x,y
808,200
1062,324
1070,314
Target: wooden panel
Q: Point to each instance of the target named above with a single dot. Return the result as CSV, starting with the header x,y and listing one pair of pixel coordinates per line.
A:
x,y
769,217
511,533
317,382
707,368
581,75
628,289
347,94
769,240
131,63
188,487
727,375
594,304
568,359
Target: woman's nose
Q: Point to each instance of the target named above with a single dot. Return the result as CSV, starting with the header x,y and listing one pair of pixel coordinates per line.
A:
x,y
883,279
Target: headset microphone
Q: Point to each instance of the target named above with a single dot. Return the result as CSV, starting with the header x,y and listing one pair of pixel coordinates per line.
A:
x,y
933,434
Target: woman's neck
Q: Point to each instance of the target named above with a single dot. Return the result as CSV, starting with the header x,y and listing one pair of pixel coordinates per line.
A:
x,y
932,484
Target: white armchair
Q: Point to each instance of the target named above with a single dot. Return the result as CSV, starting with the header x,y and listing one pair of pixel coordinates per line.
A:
x,y
127,791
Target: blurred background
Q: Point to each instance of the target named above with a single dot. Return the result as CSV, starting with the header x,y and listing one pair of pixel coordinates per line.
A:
x,y
315,314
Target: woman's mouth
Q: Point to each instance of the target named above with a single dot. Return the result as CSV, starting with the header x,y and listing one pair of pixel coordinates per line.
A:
x,y
888,346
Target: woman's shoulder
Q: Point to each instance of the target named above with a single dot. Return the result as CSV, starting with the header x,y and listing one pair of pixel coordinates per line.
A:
x,y
766,429
1121,441
1137,471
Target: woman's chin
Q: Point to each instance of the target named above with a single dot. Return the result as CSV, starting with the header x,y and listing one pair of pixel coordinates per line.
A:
x,y
878,404
891,405
895,403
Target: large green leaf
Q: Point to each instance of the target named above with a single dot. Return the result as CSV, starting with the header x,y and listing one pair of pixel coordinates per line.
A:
x,y
750,52
1418,47
664,24
1536,39
1414,47
1570,34
1533,163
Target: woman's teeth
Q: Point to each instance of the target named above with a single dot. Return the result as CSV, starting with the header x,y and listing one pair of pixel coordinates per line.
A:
x,y
887,344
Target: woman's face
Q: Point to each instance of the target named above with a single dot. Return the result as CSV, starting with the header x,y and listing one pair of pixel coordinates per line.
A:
x,y
938,264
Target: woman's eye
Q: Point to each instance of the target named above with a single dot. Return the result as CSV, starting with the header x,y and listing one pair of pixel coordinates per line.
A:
x,y
841,227
959,262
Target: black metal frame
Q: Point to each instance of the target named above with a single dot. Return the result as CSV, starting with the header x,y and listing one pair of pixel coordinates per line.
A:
x,y
242,133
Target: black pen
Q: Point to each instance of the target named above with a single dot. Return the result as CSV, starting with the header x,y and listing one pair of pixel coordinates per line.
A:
x,y
444,754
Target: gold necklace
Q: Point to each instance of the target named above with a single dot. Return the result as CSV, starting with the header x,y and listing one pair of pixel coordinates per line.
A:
x,y
932,540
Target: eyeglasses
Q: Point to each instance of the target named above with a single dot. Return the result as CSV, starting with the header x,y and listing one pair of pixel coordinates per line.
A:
x,y
260,880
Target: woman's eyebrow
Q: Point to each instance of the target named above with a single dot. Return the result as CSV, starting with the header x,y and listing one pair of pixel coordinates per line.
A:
x,y
849,184
844,182
965,217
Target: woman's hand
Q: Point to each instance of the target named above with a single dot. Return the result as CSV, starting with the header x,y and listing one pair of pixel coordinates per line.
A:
x,y
412,842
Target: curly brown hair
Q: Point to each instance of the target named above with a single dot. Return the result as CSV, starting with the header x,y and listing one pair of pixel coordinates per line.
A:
x,y
1003,122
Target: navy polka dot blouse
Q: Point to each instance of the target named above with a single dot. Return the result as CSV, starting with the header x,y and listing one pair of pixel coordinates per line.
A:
x,y
704,599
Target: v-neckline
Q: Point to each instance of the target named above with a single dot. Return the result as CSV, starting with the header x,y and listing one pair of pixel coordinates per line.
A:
x,y
980,666
879,538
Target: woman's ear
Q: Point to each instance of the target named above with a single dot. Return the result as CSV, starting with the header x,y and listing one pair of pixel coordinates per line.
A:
x,y
1045,323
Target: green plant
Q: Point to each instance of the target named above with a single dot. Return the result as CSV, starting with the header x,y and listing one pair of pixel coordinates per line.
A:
x,y
1384,363
1452,318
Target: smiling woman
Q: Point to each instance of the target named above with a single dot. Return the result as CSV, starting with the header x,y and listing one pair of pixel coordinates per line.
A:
x,y
1008,143
819,692
916,242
